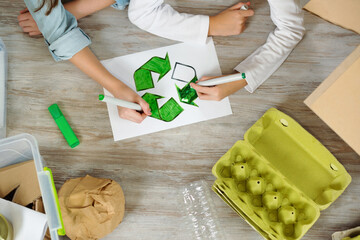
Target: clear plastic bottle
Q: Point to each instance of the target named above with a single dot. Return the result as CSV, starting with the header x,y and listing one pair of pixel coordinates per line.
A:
x,y
200,215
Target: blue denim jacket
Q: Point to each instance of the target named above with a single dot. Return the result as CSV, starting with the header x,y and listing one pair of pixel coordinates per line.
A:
x,y
62,35
120,4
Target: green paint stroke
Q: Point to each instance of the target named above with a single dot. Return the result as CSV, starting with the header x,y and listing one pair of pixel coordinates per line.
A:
x,y
187,94
142,76
168,112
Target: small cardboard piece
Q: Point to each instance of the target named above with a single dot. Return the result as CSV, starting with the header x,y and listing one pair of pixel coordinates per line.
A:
x,y
91,207
23,178
342,13
279,178
336,100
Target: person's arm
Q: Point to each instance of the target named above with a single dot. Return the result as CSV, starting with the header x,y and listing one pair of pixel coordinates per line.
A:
x,y
161,19
219,92
87,62
66,41
261,64
78,8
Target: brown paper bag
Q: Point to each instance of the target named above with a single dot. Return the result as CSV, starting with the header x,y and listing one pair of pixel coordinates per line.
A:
x,y
91,207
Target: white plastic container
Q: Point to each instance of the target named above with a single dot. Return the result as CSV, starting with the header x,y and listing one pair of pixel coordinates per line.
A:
x,y
3,76
24,147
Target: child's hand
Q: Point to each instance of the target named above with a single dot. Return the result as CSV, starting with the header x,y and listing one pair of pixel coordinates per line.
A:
x,y
27,23
219,92
131,114
230,22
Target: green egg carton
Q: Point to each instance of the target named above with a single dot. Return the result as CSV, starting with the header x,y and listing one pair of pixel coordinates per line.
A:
x,y
279,177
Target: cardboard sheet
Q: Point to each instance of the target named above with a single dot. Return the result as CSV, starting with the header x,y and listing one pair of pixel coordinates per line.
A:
x,y
27,223
23,177
343,13
164,72
336,101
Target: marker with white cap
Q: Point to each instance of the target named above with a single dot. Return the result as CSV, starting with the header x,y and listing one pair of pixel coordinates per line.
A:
x,y
119,102
244,7
222,80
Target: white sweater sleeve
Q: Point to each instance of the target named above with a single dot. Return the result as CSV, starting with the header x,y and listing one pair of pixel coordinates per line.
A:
x,y
161,19
287,15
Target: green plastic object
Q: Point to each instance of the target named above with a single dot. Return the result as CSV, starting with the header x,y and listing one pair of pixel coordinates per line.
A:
x,y
6,229
61,231
279,177
352,238
63,125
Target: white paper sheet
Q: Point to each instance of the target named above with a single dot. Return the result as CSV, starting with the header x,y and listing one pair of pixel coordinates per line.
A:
x,y
27,223
202,58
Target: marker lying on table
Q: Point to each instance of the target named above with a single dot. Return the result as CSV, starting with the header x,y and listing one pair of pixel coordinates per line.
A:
x,y
222,80
119,102
63,125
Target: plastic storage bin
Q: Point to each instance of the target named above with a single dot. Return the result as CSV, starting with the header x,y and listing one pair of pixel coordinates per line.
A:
x,y
279,178
3,76
24,147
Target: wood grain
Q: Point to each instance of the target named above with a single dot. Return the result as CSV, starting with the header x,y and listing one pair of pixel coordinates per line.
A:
x,y
152,169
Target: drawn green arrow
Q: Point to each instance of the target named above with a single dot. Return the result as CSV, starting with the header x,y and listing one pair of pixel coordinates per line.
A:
x,y
142,76
187,94
168,112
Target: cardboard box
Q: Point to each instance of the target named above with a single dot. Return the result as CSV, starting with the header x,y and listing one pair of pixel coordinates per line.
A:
x,y
337,100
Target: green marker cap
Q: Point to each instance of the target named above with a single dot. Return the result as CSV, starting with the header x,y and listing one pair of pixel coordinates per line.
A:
x,y
64,126
101,97
243,75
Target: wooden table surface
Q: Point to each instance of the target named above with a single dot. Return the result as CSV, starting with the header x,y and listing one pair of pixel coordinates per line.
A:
x,y
152,169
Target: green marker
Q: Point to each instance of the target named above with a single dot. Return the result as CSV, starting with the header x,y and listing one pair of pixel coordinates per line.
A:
x,y
63,125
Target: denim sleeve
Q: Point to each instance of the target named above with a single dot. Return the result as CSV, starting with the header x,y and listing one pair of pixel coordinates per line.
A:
x,y
120,4
62,35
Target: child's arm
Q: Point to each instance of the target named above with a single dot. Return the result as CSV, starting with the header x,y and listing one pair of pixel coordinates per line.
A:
x,y
261,64
86,61
218,92
161,19
67,41
78,8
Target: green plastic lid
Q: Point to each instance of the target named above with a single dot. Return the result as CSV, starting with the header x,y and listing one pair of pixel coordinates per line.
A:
x,y
63,125
5,229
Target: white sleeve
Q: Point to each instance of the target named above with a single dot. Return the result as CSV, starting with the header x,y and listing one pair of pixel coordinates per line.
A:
x,y
161,19
287,15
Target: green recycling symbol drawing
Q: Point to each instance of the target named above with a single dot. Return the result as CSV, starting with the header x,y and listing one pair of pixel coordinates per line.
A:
x,y
144,81
142,76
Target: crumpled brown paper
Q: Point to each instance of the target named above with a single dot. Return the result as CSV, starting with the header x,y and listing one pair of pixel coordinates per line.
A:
x,y
91,207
